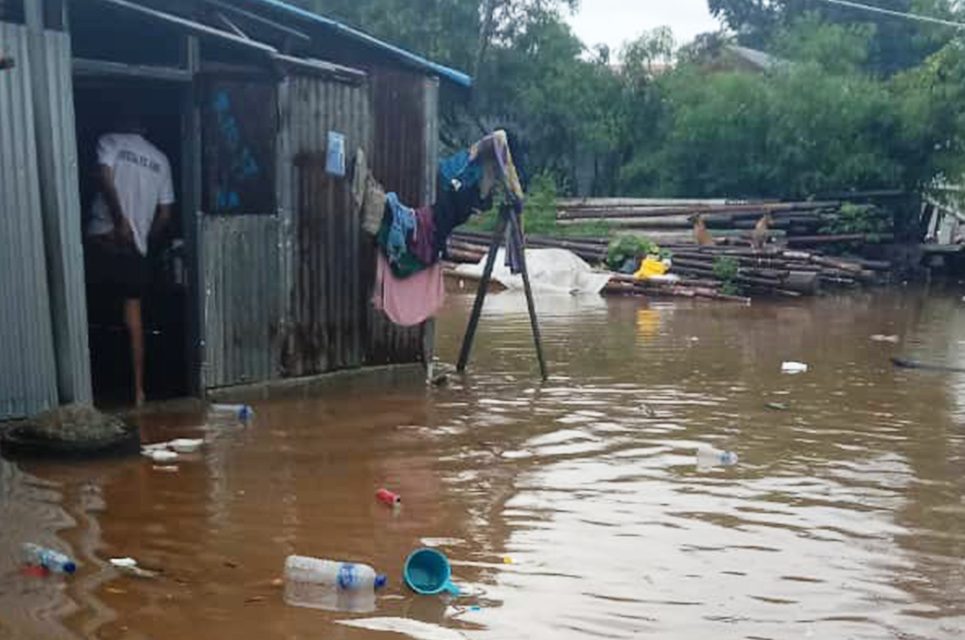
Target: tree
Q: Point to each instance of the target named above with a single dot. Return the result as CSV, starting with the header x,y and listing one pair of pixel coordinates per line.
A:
x,y
527,66
896,43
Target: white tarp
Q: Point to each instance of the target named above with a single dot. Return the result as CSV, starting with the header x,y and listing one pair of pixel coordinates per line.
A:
x,y
550,270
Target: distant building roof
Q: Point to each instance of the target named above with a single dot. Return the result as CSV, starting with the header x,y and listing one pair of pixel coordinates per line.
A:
x,y
754,58
407,57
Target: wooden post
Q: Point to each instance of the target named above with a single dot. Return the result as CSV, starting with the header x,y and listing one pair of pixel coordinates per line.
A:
x,y
533,321
481,295
507,217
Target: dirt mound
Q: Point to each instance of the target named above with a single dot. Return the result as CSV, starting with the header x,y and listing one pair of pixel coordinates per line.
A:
x,y
72,430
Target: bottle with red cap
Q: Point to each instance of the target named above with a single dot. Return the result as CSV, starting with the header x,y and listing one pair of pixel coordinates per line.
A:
x,y
388,498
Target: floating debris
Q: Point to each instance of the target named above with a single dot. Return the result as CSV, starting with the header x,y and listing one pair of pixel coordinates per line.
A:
x,y
794,367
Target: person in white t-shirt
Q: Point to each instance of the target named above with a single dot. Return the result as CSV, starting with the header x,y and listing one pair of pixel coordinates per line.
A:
x,y
132,206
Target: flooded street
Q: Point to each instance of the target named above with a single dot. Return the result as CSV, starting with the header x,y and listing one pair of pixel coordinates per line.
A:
x,y
570,509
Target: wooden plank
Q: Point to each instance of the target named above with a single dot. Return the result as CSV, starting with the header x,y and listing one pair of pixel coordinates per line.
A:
x,y
933,249
651,212
84,67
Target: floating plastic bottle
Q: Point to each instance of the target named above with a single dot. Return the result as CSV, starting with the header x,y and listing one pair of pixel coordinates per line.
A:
x,y
794,367
710,457
243,412
51,560
346,576
331,585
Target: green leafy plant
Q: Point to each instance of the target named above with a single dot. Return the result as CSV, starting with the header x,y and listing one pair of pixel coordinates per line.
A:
x,y
867,220
858,218
627,248
726,269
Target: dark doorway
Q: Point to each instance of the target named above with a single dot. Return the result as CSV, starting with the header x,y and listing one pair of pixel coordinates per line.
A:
x,y
99,104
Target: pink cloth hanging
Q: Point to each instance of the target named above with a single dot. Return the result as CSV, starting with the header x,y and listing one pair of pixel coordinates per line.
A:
x,y
409,301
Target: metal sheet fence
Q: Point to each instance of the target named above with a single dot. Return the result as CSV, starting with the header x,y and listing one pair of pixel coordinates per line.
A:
x,y
332,324
324,329
403,162
28,373
308,272
60,197
241,275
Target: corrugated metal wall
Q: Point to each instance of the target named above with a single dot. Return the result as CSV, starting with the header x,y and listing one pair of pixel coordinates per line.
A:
x,y
405,112
327,314
399,162
28,373
313,256
60,197
242,299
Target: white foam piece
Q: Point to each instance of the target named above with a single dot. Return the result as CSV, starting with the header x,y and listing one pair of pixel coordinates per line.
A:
x,y
186,445
411,628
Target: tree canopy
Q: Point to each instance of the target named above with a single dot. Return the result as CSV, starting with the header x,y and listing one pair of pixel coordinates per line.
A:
x,y
853,100
894,43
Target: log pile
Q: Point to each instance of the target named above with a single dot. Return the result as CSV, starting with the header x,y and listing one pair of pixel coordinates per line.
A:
x,y
669,222
775,271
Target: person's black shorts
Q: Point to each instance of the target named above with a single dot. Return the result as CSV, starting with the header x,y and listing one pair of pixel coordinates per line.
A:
x,y
121,270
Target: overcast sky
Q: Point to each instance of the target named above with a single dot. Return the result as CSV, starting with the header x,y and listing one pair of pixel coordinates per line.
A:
x,y
613,22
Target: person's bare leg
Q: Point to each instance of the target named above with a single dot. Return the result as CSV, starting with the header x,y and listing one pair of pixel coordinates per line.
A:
x,y
135,330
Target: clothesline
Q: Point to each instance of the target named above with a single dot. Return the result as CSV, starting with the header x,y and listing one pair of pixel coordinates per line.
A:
x,y
411,241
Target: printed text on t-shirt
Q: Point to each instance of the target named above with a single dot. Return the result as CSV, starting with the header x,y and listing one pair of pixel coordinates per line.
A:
x,y
135,158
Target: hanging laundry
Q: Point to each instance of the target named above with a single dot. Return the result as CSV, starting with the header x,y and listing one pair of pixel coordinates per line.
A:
x,y
422,241
368,197
360,174
460,171
458,195
402,239
466,182
401,223
413,240
408,301
374,208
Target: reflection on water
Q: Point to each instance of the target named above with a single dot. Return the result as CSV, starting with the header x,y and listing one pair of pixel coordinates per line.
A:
x,y
570,509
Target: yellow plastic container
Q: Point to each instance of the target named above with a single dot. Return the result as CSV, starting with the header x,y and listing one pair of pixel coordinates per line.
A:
x,y
651,266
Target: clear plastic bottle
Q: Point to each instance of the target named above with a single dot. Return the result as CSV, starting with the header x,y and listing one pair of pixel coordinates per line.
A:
x,y
242,412
345,576
53,561
331,585
710,457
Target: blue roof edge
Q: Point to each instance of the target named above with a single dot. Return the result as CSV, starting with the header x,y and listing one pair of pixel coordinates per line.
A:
x,y
452,75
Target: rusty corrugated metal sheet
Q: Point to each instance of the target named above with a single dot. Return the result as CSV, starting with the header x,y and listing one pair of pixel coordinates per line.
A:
x,y
322,265
403,162
326,326
242,305
28,374
399,156
331,324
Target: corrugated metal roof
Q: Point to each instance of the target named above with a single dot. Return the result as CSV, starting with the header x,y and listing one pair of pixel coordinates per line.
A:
x,y
452,75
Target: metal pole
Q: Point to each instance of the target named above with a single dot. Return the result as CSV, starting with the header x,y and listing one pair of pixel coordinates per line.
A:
x,y
534,322
481,295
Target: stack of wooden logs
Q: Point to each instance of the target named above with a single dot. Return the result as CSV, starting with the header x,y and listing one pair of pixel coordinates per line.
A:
x,y
779,271
670,222
774,271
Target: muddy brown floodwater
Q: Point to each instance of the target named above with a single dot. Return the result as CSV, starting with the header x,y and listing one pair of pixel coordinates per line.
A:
x,y
570,509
